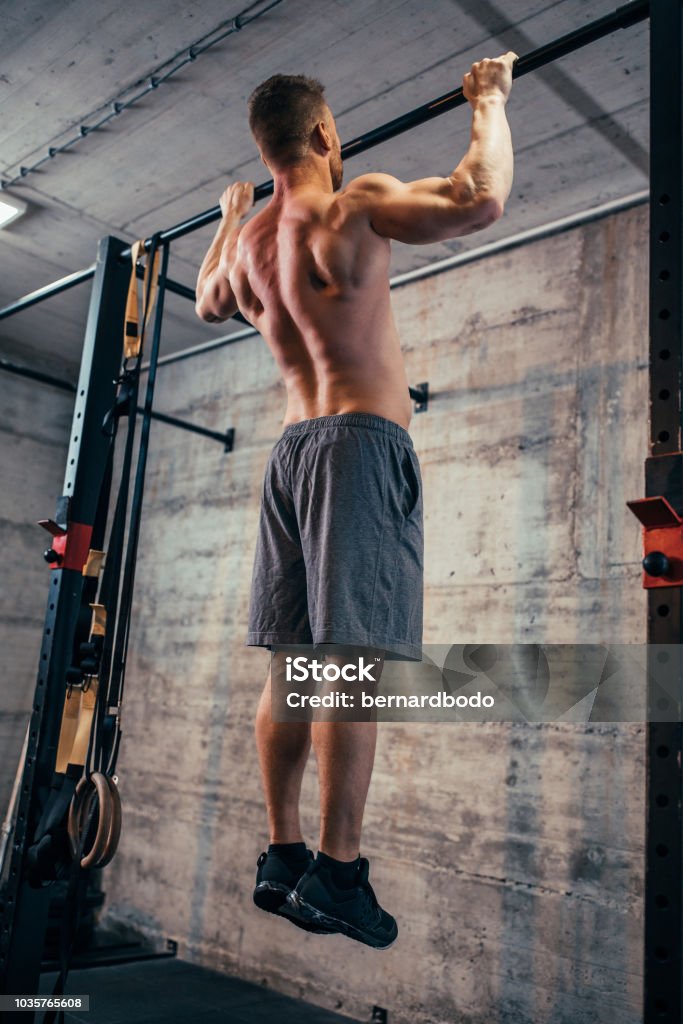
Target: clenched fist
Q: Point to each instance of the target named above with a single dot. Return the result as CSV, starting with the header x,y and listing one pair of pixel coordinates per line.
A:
x,y
237,199
489,77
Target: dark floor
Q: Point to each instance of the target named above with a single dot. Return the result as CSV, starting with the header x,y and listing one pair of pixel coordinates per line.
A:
x,y
170,991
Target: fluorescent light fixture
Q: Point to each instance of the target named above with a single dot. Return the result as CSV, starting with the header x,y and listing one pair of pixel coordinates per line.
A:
x,y
10,209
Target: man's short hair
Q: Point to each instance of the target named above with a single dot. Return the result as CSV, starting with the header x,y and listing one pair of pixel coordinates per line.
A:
x,y
283,111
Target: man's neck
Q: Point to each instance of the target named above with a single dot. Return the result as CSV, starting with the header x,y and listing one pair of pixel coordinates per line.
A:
x,y
302,177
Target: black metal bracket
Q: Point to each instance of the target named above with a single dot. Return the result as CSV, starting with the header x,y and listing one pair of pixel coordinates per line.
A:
x,y
420,395
227,439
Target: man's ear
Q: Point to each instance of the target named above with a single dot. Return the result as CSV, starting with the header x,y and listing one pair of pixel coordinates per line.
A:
x,y
323,137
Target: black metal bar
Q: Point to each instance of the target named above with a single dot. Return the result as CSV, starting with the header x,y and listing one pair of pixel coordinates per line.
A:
x,y
25,910
663,926
40,294
225,439
173,286
44,378
623,17
48,290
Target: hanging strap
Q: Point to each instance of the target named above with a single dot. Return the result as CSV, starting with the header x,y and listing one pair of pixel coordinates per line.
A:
x,y
132,335
77,716
107,740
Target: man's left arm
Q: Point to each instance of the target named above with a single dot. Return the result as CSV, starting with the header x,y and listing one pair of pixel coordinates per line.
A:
x,y
215,300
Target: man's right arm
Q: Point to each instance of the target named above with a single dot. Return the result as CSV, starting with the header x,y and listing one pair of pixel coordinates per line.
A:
x,y
474,195
215,300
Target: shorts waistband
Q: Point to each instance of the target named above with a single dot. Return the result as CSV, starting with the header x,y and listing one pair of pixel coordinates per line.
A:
x,y
350,419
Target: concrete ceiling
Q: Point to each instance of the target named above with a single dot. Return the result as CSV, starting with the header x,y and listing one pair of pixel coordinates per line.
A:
x,y
580,127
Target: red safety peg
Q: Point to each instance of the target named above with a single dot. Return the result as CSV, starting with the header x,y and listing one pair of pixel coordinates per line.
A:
x,y
69,547
662,542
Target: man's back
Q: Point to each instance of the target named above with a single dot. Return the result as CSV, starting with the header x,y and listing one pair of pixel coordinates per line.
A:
x,y
310,270
311,274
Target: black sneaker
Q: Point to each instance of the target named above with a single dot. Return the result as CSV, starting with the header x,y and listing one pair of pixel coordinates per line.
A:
x,y
274,881
354,912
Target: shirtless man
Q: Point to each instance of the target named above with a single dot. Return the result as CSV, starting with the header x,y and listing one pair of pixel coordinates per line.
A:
x,y
340,544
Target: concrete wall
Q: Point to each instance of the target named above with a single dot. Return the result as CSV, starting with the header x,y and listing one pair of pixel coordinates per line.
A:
x,y
34,432
512,855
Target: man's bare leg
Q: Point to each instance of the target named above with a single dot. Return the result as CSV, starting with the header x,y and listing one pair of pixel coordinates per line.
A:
x,y
283,749
345,752
335,892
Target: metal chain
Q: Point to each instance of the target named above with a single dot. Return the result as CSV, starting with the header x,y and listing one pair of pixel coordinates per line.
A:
x,y
154,79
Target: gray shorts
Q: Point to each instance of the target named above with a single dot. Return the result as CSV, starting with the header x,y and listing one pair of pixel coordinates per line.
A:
x,y
339,552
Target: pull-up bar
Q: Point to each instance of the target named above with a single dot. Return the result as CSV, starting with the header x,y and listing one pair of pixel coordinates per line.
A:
x,y
623,17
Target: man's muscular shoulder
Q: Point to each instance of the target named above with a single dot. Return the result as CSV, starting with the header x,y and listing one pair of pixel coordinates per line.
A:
x,y
364,194
371,184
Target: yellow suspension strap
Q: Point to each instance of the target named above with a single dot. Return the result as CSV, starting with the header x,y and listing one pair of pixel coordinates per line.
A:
x,y
132,335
